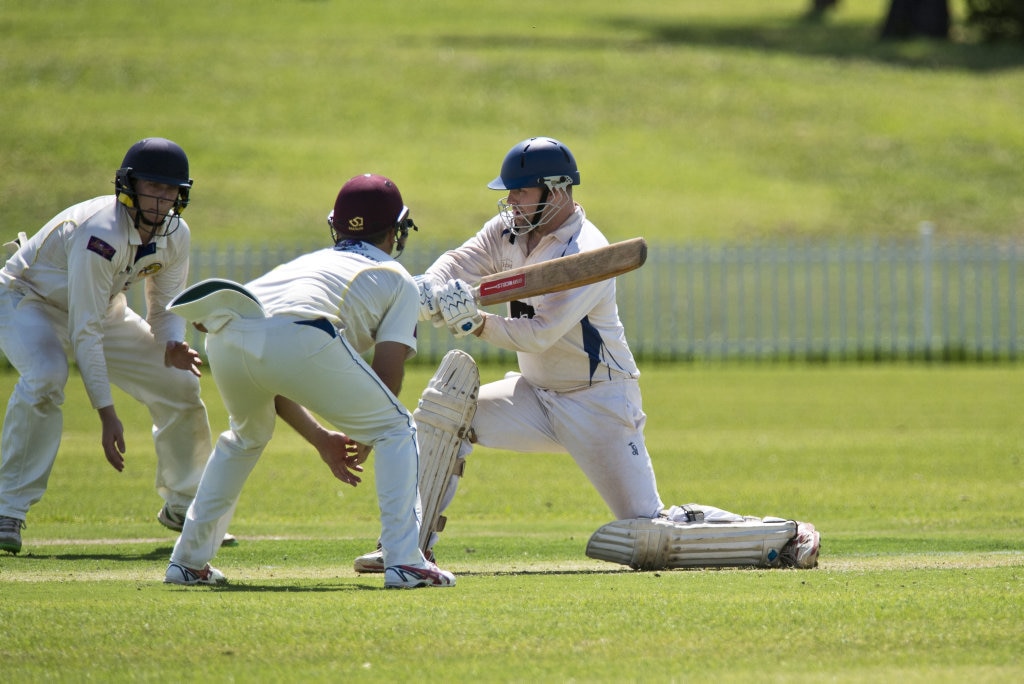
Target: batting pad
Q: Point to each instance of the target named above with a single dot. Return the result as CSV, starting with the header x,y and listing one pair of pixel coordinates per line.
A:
x,y
443,418
659,544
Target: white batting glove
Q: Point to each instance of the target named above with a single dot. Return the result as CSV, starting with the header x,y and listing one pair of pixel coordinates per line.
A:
x,y
429,310
459,308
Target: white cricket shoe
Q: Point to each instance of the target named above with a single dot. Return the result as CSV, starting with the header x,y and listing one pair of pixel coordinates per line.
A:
x,y
179,574
373,562
413,576
802,550
175,520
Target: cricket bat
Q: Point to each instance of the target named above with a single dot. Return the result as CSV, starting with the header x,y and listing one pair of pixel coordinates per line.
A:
x,y
563,273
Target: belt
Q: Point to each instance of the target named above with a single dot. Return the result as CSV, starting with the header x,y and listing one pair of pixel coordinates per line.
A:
x,y
320,323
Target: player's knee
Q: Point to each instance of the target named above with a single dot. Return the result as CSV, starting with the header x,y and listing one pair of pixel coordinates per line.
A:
x,y
180,387
43,388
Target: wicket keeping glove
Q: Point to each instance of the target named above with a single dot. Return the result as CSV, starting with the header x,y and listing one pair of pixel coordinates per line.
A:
x,y
459,308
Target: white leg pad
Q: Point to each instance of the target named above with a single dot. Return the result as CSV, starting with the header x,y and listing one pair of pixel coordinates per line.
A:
x,y
443,418
658,544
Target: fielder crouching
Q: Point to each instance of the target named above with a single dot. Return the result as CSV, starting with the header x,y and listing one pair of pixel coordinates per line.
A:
x,y
291,342
576,390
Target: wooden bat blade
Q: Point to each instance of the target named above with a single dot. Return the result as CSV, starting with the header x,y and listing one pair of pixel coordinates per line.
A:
x,y
563,273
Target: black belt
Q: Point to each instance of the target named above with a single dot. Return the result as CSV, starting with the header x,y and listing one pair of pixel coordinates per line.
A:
x,y
321,323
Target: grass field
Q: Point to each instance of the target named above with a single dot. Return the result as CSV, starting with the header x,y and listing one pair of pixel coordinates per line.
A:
x,y
690,120
914,474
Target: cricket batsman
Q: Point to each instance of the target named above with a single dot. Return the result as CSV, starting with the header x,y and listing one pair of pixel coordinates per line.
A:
x,y
576,390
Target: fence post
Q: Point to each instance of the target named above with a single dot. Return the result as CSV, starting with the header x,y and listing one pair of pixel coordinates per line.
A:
x,y
926,230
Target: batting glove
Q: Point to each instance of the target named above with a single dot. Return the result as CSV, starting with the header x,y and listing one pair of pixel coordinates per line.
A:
x,y
459,308
429,310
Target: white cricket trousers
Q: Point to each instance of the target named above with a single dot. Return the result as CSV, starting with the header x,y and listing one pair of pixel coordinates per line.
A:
x,y
34,338
601,427
255,360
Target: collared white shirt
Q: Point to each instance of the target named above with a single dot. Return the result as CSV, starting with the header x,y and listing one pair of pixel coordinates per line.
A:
x,y
564,340
368,295
82,259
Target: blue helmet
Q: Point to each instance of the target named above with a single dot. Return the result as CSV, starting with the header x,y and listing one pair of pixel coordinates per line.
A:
x,y
537,162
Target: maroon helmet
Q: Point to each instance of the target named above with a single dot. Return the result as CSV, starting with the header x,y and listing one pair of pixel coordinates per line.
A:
x,y
366,206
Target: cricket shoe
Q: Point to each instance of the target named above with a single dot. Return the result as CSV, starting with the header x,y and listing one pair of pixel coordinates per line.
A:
x,y
802,550
10,534
373,562
412,577
176,521
179,574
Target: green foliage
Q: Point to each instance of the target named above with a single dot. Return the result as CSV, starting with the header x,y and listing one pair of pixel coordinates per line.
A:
x,y
690,120
997,19
914,474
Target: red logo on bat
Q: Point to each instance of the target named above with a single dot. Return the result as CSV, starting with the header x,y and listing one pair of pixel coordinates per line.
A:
x,y
513,282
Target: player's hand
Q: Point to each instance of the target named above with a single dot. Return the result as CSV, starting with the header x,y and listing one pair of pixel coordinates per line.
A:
x,y
183,357
361,453
343,456
429,310
112,439
459,308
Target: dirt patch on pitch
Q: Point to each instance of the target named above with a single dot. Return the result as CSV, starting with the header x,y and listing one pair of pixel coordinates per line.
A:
x,y
148,569
925,561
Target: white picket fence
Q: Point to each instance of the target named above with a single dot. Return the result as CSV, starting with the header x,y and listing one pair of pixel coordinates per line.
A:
x,y
925,298
921,299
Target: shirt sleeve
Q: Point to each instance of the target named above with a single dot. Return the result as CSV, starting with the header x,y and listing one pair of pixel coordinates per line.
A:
x,y
398,324
554,315
381,304
474,260
92,265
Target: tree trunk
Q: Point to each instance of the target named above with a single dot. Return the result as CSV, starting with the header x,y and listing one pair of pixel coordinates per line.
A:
x,y
912,18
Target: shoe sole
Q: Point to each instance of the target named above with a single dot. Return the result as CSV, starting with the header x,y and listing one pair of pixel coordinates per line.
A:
x,y
414,581
422,585
418,586
368,569
177,580
195,584
376,567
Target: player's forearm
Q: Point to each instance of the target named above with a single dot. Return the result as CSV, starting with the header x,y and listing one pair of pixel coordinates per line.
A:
x,y
392,377
389,364
300,419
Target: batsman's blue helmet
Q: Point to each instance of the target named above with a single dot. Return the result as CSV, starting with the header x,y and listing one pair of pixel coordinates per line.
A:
x,y
537,162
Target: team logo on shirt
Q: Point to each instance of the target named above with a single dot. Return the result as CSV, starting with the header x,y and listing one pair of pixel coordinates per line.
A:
x,y
150,270
100,247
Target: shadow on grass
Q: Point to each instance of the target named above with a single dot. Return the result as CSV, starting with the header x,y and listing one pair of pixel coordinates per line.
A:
x,y
526,572
841,40
159,553
287,588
